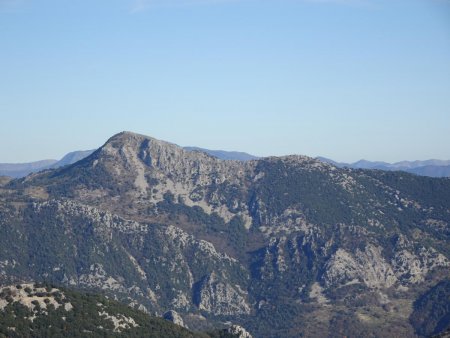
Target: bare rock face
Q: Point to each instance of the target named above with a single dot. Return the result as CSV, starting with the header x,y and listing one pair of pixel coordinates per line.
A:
x,y
160,264
239,331
174,317
341,269
149,168
215,296
372,269
375,271
411,265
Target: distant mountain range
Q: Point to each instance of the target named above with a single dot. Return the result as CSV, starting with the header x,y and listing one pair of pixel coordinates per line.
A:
x,y
432,168
23,169
18,170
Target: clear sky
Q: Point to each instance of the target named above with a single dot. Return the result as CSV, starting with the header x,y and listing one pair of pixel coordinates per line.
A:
x,y
345,79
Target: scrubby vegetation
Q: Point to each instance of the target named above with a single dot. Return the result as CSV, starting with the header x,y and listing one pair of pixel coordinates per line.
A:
x,y
89,315
432,310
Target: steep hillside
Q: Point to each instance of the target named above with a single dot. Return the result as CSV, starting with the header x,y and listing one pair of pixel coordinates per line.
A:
x,y
431,313
38,310
284,246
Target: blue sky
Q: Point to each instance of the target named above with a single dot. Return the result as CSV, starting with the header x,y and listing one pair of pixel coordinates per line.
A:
x,y
345,79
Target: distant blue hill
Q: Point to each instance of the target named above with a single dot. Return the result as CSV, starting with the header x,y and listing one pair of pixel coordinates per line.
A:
x,y
72,157
23,169
432,168
17,170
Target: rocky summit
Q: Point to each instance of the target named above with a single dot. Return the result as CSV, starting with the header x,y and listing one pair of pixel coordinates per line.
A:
x,y
272,247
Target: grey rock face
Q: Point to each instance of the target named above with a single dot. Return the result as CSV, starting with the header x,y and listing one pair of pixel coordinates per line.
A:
x,y
214,295
239,331
174,317
368,267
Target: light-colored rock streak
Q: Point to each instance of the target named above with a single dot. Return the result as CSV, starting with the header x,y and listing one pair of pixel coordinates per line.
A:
x,y
317,294
120,322
140,182
137,266
220,298
368,266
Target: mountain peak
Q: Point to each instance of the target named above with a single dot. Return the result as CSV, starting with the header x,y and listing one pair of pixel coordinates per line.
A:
x,y
135,139
135,163
125,135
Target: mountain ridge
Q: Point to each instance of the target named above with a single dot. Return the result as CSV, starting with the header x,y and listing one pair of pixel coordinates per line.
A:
x,y
225,155
432,167
282,246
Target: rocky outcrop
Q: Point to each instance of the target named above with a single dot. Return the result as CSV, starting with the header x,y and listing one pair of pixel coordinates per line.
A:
x,y
174,317
33,297
153,168
371,268
412,268
374,270
215,296
341,269
238,331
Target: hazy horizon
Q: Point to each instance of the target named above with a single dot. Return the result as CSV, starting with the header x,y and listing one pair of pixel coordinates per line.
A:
x,y
342,79
230,150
